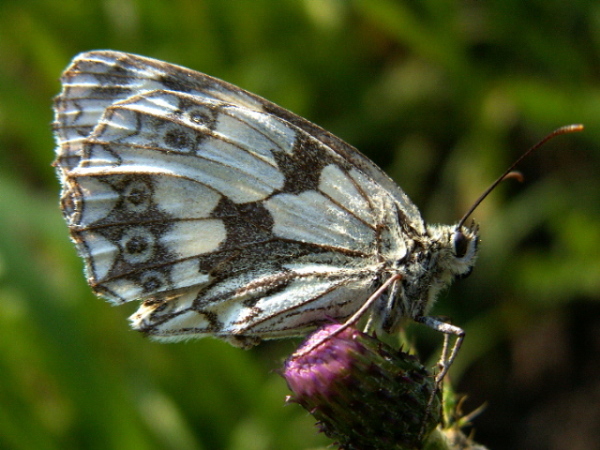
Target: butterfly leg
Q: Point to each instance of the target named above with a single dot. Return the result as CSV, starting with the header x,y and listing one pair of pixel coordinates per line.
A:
x,y
357,315
448,329
445,360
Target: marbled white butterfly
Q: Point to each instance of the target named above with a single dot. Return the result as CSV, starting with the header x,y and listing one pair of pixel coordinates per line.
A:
x,y
231,217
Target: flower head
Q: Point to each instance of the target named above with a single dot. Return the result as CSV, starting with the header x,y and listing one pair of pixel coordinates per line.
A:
x,y
364,394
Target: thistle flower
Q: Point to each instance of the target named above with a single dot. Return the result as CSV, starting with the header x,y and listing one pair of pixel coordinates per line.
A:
x,y
364,394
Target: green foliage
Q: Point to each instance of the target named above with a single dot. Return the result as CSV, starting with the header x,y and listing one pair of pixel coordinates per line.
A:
x,y
442,94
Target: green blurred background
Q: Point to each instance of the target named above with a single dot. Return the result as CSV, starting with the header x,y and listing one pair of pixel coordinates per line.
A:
x,y
442,94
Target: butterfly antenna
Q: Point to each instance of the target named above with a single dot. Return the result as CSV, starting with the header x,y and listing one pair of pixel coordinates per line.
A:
x,y
510,173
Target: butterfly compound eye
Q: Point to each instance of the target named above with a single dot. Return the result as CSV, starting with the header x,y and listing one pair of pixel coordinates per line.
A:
x,y
461,243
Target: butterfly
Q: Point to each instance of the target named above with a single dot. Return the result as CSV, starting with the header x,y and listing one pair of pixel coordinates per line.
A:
x,y
229,216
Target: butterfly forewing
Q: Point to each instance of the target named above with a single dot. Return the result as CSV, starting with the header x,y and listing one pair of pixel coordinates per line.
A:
x,y
224,213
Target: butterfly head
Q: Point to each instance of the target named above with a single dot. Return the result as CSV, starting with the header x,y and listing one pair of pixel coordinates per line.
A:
x,y
456,251
465,241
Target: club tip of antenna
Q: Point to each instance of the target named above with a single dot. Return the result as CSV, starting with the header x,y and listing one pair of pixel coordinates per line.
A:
x,y
571,128
514,175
